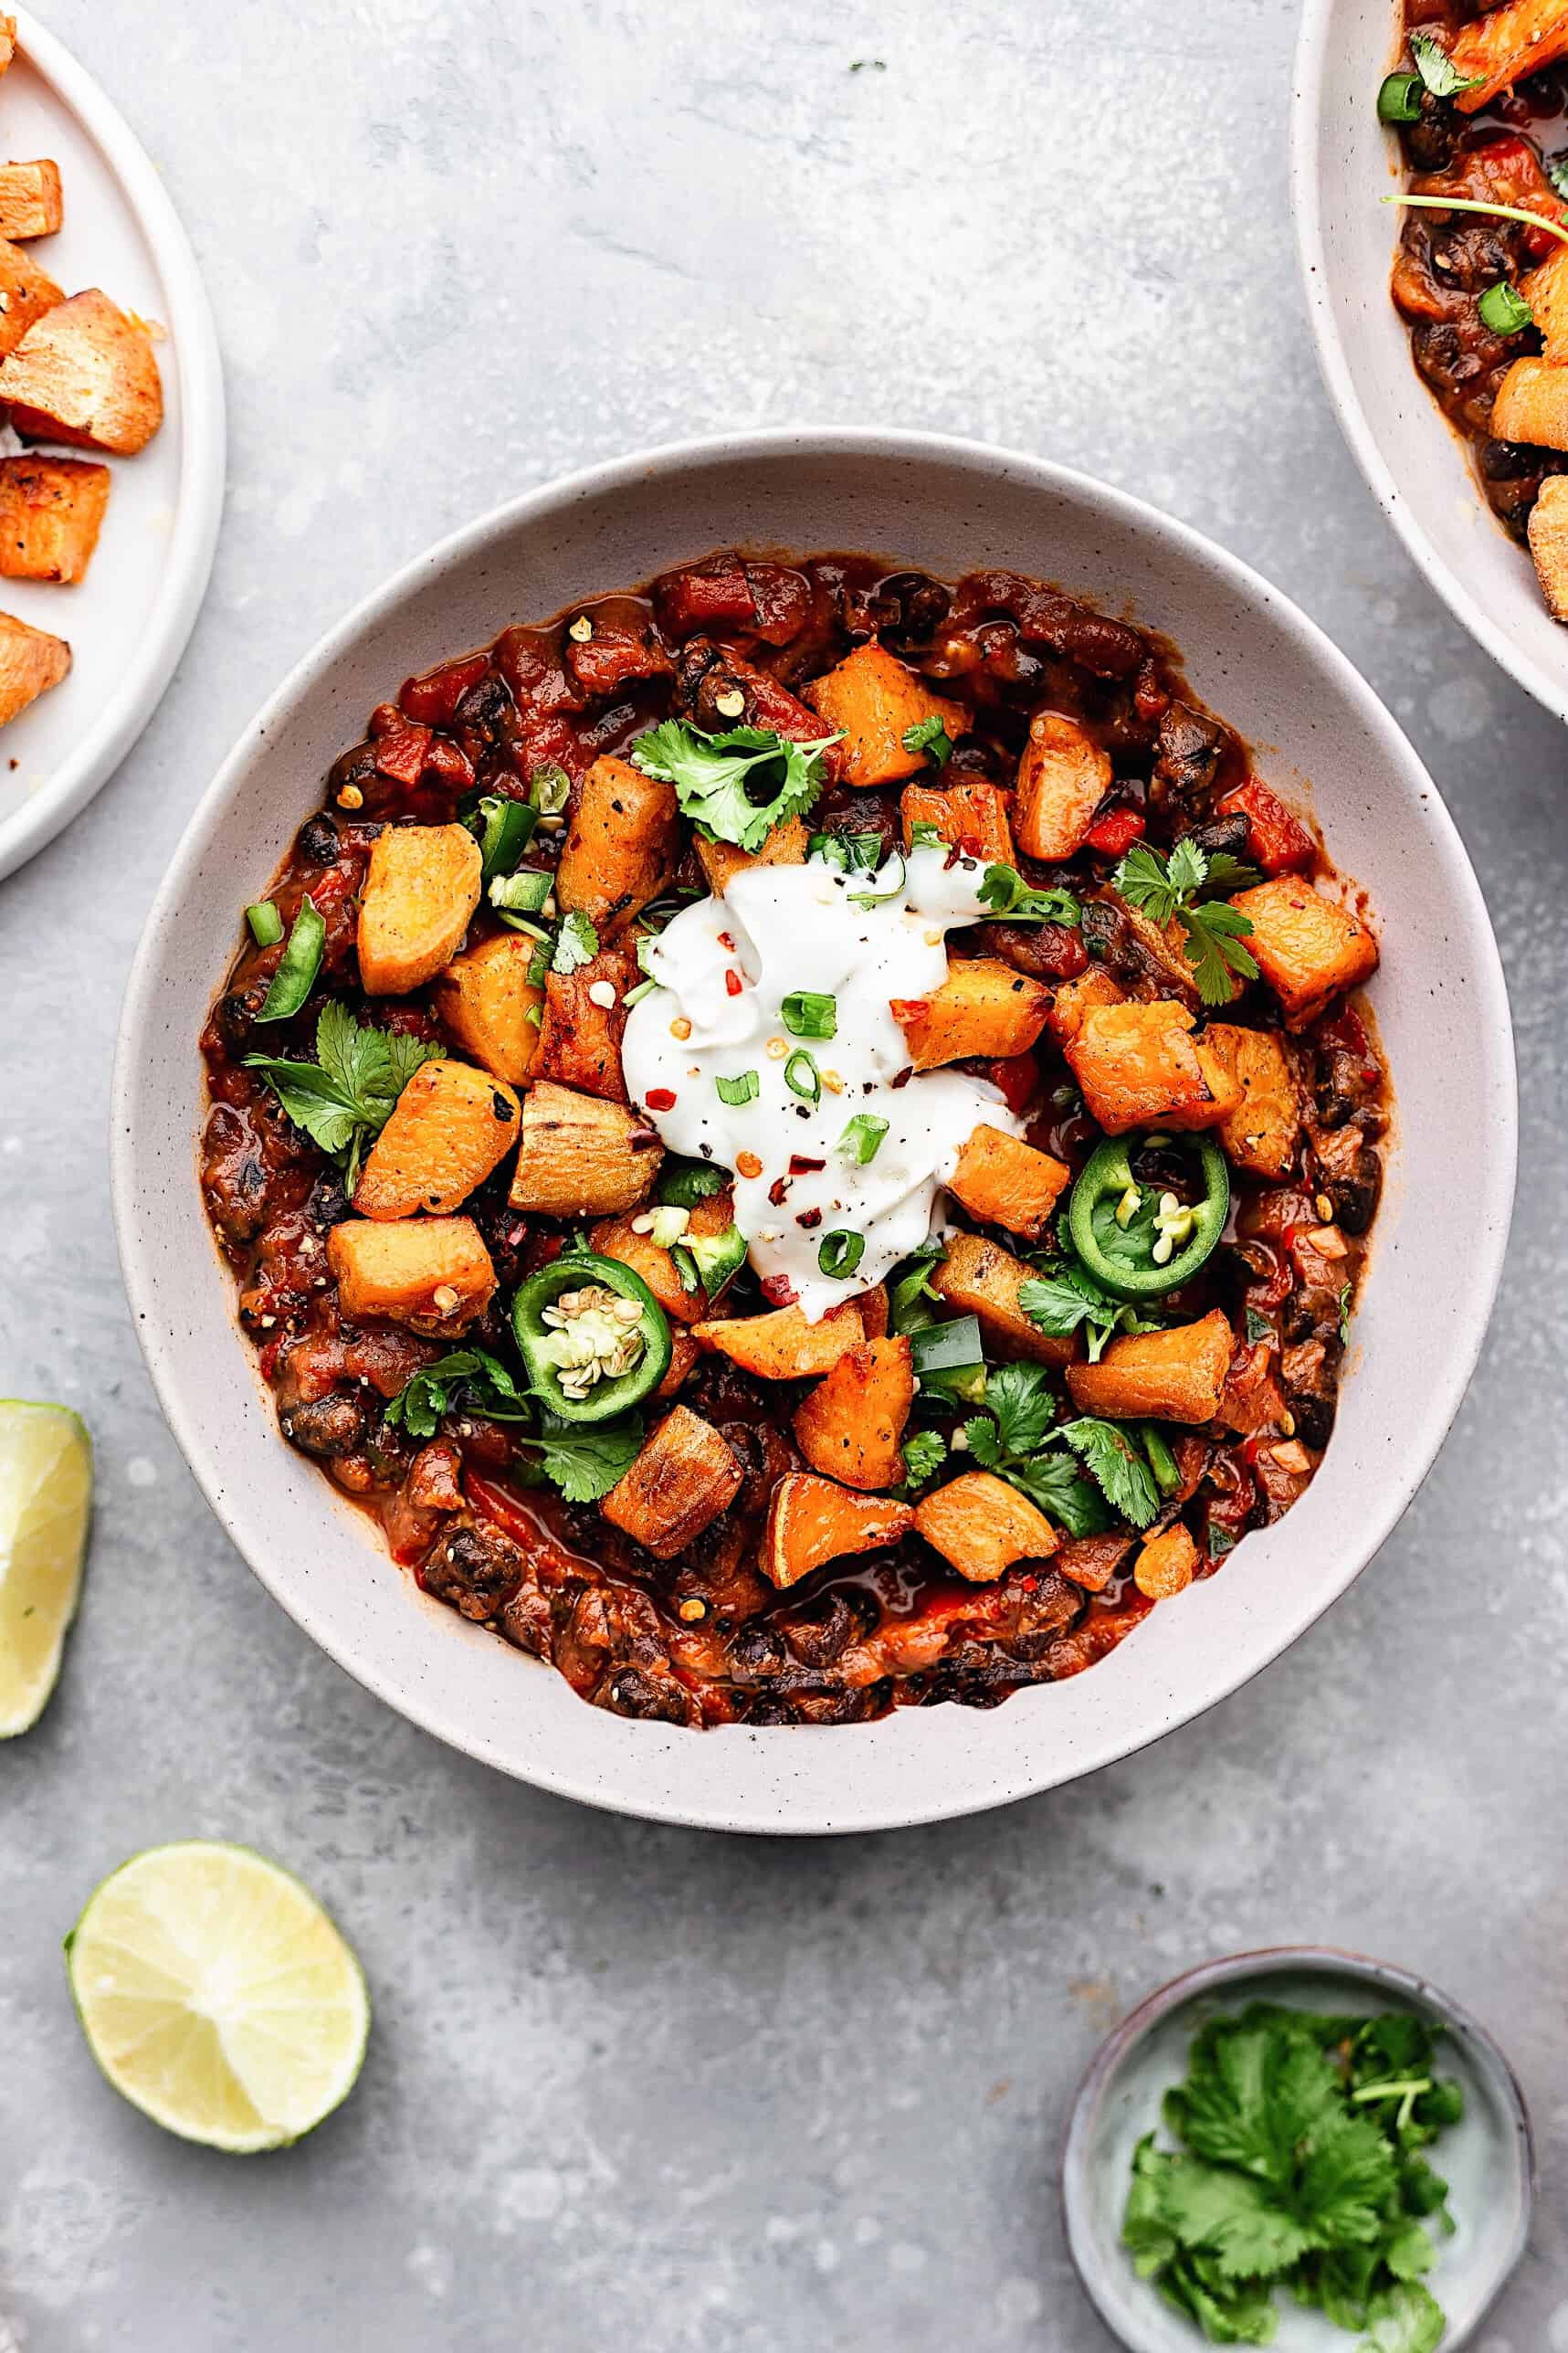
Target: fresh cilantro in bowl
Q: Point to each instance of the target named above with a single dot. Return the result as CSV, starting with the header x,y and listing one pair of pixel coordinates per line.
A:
x,y
1300,2166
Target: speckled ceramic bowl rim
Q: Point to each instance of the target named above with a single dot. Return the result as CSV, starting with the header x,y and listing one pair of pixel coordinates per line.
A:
x,y
917,1764
1313,48
1222,1977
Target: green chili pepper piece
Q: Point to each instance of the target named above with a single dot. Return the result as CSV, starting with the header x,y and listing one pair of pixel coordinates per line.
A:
x,y
1399,97
266,924
1122,1257
575,1341
296,967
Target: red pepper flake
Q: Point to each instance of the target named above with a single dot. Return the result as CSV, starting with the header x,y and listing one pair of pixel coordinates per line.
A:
x,y
777,1191
725,941
660,1099
809,1219
800,1164
732,981
778,1291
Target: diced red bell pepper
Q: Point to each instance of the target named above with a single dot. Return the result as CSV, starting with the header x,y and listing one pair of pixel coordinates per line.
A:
x,y
1017,1076
400,752
614,656
1278,843
431,698
715,599
451,763
1115,834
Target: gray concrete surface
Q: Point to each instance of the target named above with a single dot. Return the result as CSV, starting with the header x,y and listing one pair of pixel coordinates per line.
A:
x,y
633,2087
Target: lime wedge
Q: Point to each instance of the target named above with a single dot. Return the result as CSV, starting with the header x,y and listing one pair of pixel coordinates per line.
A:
x,y
46,1496
216,1994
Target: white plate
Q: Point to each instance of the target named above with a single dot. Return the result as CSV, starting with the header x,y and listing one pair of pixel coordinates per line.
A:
x,y
946,507
128,621
1343,160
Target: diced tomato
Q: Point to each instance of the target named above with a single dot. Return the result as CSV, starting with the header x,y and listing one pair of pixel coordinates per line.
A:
x,y
1278,843
400,754
432,698
1115,834
451,763
714,599
1507,170
782,599
1017,1075
615,656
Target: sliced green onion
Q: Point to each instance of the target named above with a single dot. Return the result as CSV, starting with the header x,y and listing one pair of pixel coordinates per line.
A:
x,y
862,1139
947,1347
840,1253
644,988
1161,1461
507,830
1504,310
807,1014
266,924
550,788
300,962
802,1077
743,1090
1399,99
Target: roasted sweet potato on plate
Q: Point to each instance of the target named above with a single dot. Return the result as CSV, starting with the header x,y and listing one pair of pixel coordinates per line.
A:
x,y
52,510
85,373
31,202
31,662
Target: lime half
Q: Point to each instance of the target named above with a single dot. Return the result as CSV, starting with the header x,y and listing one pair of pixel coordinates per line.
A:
x,y
46,1496
217,1996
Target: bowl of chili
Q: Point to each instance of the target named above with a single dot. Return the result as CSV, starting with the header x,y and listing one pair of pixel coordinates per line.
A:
x,y
1458,493
944,509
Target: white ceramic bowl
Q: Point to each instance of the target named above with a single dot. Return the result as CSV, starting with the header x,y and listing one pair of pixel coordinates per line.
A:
x,y
1486,2159
1343,160
946,506
128,621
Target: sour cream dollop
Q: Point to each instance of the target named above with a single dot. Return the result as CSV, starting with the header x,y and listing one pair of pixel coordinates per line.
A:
x,y
725,966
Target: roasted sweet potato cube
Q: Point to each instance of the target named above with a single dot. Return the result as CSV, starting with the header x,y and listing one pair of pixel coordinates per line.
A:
x,y
684,1353
489,1007
811,1521
684,1476
27,291
432,1273
1176,1376
85,373
873,1307
1308,949
874,698
980,1278
31,202
1004,1181
970,814
1137,1067
50,512
31,662
1063,775
1075,998
1531,404
1166,1563
1093,1561
580,1041
782,1345
785,845
984,1006
623,841
850,1425
1505,45
420,891
450,1127
7,42
582,1157
1548,529
1546,291
981,1525
618,1238
1262,1133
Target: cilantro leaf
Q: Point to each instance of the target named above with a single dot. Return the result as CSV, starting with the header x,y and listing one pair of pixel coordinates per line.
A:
x,y
1255,2093
489,1388
928,736
910,1291
576,943
1237,2221
924,1456
1003,890
346,1095
1057,1485
1437,69
1405,2318
1068,1295
736,786
1124,1477
1019,1397
1185,887
585,1463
